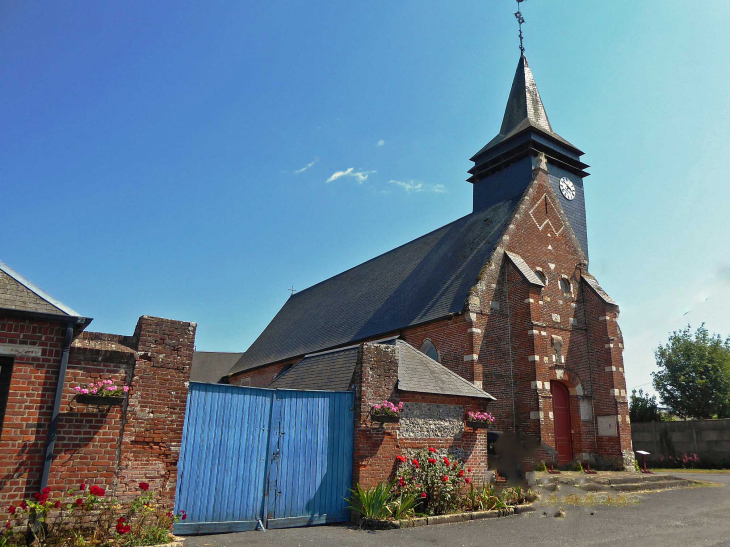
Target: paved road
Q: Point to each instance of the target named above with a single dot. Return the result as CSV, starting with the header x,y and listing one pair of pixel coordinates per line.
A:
x,y
696,517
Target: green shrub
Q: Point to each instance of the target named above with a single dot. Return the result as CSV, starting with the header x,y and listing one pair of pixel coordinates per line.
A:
x,y
373,502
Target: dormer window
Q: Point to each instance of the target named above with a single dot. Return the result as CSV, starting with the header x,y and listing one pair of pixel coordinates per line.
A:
x,y
429,349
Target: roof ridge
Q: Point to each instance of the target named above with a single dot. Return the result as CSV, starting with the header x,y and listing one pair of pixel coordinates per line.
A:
x,y
40,293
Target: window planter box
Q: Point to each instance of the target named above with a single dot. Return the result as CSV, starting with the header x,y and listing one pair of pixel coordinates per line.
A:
x,y
478,425
384,419
98,400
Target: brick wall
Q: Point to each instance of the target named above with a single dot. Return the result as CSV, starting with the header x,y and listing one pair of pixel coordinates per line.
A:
x,y
377,445
30,402
115,446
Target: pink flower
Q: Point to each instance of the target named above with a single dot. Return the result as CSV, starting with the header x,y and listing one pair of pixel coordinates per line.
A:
x,y
111,388
125,389
85,391
95,390
77,389
99,383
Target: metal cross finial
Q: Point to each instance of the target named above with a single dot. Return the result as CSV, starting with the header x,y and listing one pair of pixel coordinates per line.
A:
x,y
520,20
292,290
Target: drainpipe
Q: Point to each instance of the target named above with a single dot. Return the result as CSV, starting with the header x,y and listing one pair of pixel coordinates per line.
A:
x,y
52,430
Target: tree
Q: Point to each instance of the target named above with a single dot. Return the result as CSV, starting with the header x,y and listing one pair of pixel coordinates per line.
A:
x,y
694,374
643,408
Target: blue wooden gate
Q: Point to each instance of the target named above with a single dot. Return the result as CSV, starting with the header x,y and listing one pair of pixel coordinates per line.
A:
x,y
279,456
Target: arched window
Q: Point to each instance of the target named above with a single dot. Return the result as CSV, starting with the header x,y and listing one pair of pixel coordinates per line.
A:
x,y
429,349
541,275
565,286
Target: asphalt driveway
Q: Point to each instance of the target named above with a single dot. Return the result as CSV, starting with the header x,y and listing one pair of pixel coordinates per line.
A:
x,y
695,517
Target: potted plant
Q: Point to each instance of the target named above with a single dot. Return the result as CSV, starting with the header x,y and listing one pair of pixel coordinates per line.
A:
x,y
103,392
479,420
386,412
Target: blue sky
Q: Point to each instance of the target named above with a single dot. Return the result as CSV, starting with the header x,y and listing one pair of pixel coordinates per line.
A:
x,y
172,158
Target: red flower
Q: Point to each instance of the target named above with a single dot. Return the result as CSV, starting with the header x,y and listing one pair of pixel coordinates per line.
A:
x,y
461,473
46,490
444,478
169,514
401,459
123,528
144,486
42,498
469,470
97,491
184,516
7,525
121,520
414,461
416,464
431,460
467,480
36,495
455,465
58,504
423,494
431,449
82,487
79,502
446,461
23,505
11,510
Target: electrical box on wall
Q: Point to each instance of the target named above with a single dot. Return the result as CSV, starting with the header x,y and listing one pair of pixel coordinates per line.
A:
x,y
607,426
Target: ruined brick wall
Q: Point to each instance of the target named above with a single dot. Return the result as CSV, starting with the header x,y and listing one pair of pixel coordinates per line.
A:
x,y
377,445
155,414
112,446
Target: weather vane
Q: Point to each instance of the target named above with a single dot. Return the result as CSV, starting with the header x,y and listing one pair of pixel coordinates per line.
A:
x,y
520,20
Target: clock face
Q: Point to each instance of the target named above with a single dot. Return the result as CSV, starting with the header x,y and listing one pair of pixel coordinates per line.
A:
x,y
567,188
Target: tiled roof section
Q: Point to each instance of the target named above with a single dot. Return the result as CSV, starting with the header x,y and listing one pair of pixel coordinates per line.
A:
x,y
524,269
211,366
423,280
599,290
330,371
419,373
524,109
17,293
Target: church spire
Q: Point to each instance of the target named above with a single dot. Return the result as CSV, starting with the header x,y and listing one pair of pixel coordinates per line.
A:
x,y
524,105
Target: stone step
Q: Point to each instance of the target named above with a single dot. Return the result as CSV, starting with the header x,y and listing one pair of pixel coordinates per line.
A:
x,y
637,486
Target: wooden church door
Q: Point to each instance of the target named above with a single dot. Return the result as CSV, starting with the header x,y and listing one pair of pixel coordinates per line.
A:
x,y
561,415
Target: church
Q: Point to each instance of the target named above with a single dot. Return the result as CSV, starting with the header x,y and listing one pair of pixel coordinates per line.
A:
x,y
498,306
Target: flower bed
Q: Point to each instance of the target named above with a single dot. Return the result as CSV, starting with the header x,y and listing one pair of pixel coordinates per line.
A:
x,y
87,517
386,412
479,420
431,485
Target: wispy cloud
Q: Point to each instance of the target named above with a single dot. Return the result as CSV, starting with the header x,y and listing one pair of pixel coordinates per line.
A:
x,y
307,166
416,186
381,142
360,176
408,186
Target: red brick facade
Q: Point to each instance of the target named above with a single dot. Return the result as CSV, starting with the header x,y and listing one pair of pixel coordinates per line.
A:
x,y
115,446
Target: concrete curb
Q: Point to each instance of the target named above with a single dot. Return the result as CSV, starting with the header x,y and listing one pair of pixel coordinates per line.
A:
x,y
445,519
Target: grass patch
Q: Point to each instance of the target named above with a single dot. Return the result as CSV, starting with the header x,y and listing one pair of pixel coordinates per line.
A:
x,y
592,499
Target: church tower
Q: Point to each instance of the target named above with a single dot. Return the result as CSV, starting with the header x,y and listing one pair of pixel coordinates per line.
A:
x,y
503,167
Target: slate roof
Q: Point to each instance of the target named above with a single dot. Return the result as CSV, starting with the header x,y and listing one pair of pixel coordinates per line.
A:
x,y
423,280
211,366
524,269
18,293
330,371
599,290
419,373
524,110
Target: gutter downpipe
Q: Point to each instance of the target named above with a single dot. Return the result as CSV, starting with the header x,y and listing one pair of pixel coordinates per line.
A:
x,y
53,428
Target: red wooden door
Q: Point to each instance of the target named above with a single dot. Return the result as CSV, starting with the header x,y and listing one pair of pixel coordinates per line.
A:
x,y
561,415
